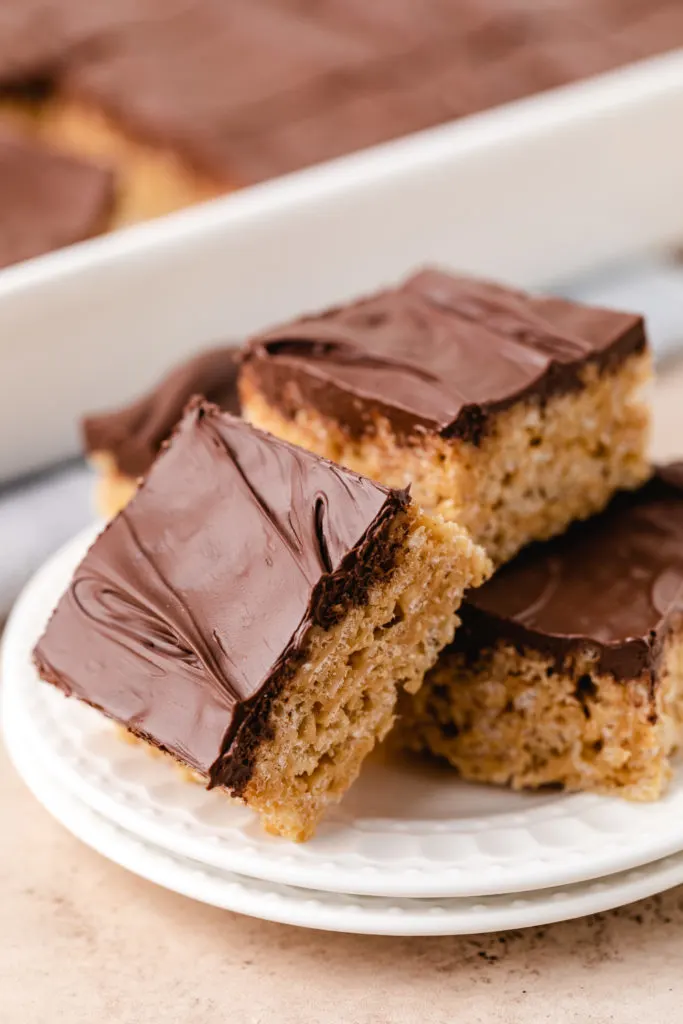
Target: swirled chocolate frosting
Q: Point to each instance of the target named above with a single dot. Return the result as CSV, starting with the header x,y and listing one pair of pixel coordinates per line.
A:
x,y
611,586
440,353
47,199
193,606
133,435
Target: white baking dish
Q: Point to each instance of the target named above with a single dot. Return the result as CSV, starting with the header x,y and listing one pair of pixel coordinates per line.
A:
x,y
532,192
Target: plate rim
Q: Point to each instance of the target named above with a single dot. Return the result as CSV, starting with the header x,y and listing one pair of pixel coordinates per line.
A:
x,y
283,867
326,911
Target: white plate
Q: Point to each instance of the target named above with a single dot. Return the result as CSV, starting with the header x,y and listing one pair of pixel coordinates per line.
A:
x,y
532,192
400,832
328,911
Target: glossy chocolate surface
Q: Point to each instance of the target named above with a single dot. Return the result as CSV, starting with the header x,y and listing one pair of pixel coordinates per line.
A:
x,y
440,353
193,606
47,199
612,586
132,436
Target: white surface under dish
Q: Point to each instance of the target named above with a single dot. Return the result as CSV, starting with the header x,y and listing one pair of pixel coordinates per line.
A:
x,y
402,831
533,192
327,911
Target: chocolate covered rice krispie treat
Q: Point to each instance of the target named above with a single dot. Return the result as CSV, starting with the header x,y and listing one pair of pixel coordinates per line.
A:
x,y
253,612
123,444
508,413
567,669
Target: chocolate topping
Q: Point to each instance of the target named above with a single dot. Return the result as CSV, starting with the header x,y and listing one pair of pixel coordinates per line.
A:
x,y
213,72
133,435
194,604
439,353
39,38
611,586
47,199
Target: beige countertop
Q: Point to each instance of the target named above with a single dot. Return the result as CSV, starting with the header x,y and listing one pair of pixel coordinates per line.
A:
x,y
84,941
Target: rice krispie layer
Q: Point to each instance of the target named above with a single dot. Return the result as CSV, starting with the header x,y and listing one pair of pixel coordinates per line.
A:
x,y
151,180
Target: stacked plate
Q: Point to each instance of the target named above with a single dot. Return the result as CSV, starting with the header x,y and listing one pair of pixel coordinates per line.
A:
x,y
410,851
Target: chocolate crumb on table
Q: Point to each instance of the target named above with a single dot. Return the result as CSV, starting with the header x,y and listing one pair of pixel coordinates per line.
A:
x,y
253,612
124,443
568,666
508,413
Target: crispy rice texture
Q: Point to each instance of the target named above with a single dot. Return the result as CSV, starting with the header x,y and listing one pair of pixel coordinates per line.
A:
x,y
113,489
514,718
340,702
151,181
540,466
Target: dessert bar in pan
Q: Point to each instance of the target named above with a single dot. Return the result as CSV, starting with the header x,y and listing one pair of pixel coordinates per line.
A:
x,y
254,611
568,667
184,99
510,414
